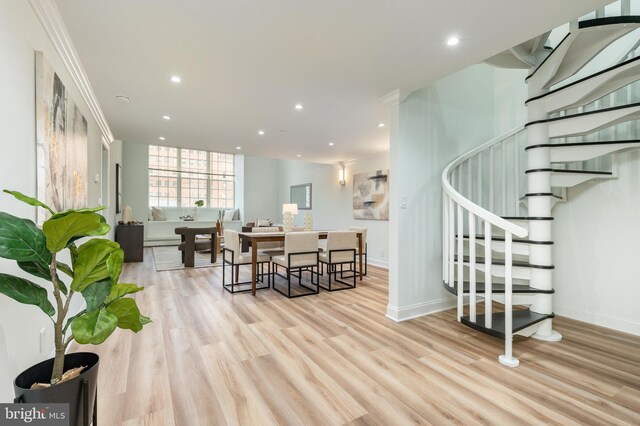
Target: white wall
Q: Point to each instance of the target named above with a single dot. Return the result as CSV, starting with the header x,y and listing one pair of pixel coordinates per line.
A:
x,y
261,189
332,204
596,251
20,35
135,180
437,124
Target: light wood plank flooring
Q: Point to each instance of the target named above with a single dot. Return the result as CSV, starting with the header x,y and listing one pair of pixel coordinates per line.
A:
x,y
212,358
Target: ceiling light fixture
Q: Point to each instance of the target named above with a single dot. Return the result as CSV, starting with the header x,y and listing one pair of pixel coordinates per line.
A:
x,y
238,148
261,132
299,155
298,107
176,79
331,144
123,99
452,41
161,138
166,117
381,125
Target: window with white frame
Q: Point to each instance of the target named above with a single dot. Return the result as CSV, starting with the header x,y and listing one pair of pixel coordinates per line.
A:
x,y
178,177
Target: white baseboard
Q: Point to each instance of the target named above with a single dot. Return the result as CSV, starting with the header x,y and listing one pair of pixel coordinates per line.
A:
x,y
580,314
419,309
384,264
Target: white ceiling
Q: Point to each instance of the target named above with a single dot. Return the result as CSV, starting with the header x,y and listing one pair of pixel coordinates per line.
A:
x,y
245,64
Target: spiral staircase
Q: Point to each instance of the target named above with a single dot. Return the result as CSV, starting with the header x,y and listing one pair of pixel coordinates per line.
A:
x,y
498,198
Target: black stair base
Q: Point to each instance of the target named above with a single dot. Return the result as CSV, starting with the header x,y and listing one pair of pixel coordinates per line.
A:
x,y
496,288
522,319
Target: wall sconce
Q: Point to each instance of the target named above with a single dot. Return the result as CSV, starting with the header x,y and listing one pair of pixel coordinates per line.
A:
x,y
341,179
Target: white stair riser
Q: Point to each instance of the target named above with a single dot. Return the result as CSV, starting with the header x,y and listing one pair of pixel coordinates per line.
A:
x,y
568,180
499,271
499,247
581,125
590,90
575,153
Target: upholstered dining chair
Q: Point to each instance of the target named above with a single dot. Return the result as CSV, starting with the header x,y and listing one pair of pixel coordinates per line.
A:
x,y
233,257
300,255
363,232
272,248
340,251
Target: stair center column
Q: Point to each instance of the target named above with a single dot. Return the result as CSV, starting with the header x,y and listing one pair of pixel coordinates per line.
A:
x,y
539,207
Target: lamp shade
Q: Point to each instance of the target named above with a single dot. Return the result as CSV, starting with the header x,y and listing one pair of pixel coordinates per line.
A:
x,y
290,208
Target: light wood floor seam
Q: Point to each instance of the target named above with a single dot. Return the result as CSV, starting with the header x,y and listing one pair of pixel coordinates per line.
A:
x,y
212,358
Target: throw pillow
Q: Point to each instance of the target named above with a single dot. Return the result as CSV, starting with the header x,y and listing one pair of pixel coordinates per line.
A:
x,y
150,216
158,214
229,214
264,222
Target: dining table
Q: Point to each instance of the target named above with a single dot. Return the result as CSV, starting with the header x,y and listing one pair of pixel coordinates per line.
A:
x,y
255,238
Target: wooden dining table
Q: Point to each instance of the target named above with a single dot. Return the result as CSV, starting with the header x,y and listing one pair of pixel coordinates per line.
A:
x,y
255,238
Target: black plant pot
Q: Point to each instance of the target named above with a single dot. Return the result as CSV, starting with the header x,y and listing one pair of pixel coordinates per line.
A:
x,y
80,393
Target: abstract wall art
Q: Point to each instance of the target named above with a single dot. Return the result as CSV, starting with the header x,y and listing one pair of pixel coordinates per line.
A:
x,y
371,195
61,144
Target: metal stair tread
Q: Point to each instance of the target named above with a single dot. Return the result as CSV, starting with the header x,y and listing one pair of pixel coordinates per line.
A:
x,y
589,23
496,288
500,262
582,114
604,71
522,318
541,194
527,218
515,240
579,172
560,145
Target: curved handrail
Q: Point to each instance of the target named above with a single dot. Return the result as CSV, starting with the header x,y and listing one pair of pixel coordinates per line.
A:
x,y
471,206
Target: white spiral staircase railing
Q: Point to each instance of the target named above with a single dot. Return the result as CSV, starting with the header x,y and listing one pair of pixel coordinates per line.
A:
x,y
574,103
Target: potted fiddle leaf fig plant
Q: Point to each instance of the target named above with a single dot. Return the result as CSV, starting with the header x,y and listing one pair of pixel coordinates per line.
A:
x,y
93,273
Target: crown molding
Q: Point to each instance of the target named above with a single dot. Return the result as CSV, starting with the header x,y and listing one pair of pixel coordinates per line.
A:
x,y
395,97
51,20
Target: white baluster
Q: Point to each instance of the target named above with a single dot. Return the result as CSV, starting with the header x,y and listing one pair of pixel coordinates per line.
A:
x,y
491,174
460,261
516,166
472,267
488,279
508,359
478,230
469,181
452,245
503,175
445,239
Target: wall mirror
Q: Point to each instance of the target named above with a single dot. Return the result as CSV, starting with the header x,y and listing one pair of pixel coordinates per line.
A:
x,y
301,195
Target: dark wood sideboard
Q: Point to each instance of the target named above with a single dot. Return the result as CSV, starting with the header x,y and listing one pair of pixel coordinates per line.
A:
x,y
131,240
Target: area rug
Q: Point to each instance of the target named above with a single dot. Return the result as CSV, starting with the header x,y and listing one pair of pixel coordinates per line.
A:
x,y
169,258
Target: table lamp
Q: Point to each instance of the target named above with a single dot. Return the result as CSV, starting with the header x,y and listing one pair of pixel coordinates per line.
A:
x,y
288,210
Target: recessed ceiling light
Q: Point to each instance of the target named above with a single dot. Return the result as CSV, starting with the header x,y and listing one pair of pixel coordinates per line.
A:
x,y
381,125
166,117
331,144
162,138
261,132
452,41
299,155
298,107
238,148
176,79
123,99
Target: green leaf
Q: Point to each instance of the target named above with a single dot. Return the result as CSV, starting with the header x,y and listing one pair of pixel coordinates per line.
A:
x,y
91,265
94,327
114,265
128,314
24,291
21,240
29,200
144,320
60,231
65,268
120,290
84,210
103,229
96,293
41,270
